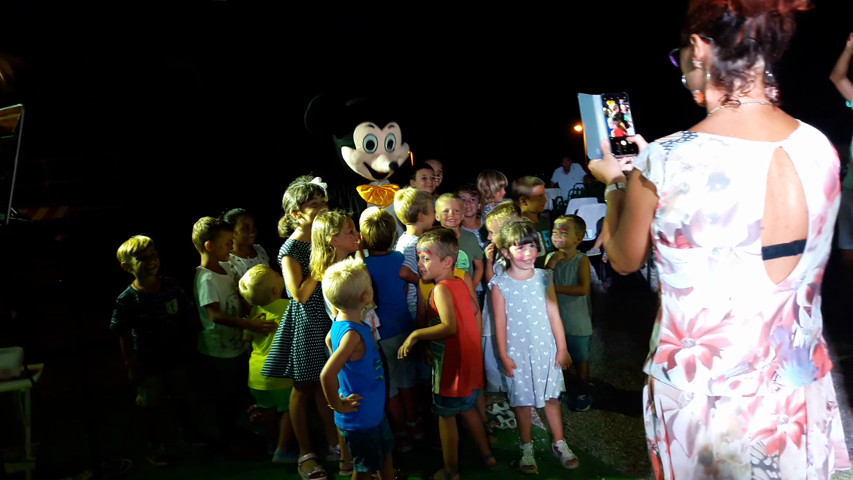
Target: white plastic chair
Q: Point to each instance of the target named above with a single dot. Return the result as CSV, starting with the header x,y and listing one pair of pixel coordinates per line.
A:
x,y
591,213
575,203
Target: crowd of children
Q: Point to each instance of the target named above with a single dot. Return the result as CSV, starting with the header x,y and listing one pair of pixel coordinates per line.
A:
x,y
477,311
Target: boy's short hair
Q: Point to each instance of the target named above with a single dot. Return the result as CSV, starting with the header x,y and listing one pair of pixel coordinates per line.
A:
x,y
255,287
345,282
517,232
489,182
444,240
444,197
232,216
206,229
523,187
417,167
577,223
502,212
409,202
470,188
378,229
132,247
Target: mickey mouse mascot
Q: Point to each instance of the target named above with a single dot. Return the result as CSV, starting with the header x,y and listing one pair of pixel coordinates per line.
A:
x,y
368,138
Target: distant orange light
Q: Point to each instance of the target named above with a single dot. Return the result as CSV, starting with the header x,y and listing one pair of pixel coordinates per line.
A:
x,y
411,158
578,127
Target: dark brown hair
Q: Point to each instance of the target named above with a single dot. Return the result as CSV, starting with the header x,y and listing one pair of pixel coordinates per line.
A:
x,y
743,33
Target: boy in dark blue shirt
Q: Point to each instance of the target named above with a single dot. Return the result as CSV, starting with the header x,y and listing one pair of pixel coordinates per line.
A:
x,y
154,318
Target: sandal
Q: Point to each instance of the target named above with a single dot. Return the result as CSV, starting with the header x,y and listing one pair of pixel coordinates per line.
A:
x,y
567,458
527,464
316,473
490,462
445,475
503,423
343,470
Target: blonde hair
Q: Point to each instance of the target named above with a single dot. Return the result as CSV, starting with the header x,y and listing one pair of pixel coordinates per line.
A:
x,y
298,192
517,232
206,229
326,225
489,182
523,187
255,287
444,197
132,247
345,282
378,229
409,202
502,213
444,240
577,223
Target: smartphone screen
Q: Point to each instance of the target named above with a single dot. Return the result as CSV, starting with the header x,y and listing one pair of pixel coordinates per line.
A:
x,y
620,123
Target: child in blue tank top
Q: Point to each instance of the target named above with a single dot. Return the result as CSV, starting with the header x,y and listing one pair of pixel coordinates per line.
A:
x,y
352,379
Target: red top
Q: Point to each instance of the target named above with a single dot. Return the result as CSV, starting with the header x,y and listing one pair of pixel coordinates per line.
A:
x,y
457,359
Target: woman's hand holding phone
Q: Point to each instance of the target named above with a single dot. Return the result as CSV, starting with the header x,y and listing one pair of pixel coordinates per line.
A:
x,y
610,169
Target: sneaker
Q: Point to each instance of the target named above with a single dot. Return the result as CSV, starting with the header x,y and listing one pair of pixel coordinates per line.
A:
x,y
285,456
593,252
416,430
563,453
334,454
582,403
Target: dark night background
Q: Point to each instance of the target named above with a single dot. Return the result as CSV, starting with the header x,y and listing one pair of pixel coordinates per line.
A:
x,y
143,117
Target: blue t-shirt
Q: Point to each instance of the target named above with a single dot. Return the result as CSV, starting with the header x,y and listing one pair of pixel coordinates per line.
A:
x,y
389,294
363,376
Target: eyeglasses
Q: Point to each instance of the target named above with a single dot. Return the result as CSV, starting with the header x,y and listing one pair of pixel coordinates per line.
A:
x,y
675,53
674,56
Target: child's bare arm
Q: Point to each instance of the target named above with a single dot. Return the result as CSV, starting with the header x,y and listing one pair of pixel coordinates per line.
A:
x,y
479,270
499,320
582,288
329,375
126,344
300,287
489,268
408,275
257,324
562,360
446,328
553,259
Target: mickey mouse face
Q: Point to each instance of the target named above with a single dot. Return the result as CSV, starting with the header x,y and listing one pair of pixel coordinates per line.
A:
x,y
378,151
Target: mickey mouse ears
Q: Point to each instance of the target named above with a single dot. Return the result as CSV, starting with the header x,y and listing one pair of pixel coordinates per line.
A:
x,y
338,116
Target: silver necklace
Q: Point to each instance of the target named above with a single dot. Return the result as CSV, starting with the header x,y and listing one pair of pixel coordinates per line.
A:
x,y
735,105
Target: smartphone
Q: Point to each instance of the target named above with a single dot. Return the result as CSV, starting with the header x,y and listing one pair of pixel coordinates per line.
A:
x,y
607,116
619,120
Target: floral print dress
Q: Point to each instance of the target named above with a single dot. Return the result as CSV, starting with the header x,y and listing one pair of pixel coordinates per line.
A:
x,y
738,384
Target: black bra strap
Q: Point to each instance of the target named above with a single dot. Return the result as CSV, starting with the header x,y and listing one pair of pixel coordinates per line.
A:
x,y
789,249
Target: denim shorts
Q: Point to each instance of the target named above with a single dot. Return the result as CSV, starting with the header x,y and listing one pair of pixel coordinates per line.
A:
x,y
578,347
370,446
452,406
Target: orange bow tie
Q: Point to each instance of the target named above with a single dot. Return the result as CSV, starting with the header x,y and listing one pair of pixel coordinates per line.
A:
x,y
381,195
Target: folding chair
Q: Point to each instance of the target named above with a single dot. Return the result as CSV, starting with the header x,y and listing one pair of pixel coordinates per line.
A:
x,y
575,203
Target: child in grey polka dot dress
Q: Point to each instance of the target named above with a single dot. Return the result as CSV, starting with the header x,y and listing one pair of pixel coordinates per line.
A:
x,y
530,340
